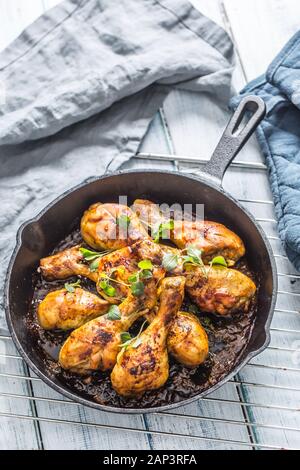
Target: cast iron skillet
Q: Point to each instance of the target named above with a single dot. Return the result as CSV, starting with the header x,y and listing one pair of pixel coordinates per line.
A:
x,y
39,236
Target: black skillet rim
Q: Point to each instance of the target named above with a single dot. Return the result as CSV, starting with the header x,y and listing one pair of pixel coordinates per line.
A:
x,y
74,397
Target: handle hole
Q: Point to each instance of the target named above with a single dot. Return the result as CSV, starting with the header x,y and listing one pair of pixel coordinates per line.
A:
x,y
246,114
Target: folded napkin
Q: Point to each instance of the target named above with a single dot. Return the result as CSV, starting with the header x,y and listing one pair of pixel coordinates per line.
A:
x,y
80,86
279,137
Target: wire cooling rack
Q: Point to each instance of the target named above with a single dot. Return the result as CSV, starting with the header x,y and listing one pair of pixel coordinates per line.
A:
x,y
266,392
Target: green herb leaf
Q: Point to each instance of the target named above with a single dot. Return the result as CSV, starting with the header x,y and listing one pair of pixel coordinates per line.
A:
x,y
89,255
146,274
194,252
107,288
103,284
163,230
71,286
145,264
170,261
114,313
133,278
137,288
123,222
110,291
118,269
218,260
166,227
94,265
193,256
187,259
125,337
93,257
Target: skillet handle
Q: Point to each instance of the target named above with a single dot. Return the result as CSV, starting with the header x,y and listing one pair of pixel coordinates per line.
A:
x,y
251,110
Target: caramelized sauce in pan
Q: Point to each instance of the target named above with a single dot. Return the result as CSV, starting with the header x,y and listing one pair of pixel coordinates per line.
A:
x,y
228,338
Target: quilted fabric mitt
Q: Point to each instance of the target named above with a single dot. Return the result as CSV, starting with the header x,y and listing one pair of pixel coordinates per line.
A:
x,y
279,137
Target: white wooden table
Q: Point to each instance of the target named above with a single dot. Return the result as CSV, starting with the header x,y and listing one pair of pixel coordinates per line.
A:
x,y
260,408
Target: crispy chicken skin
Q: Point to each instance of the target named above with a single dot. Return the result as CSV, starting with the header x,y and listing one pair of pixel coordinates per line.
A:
x,y
111,226
212,238
131,290
144,364
148,212
187,340
65,264
120,264
96,344
220,290
65,310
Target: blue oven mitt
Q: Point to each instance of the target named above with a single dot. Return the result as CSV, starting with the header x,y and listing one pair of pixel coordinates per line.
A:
x,y
279,138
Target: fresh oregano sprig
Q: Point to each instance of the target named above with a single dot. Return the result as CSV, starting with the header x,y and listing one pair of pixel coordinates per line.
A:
x,y
128,340
145,272
163,230
71,286
123,222
93,257
105,281
170,261
193,256
218,261
114,313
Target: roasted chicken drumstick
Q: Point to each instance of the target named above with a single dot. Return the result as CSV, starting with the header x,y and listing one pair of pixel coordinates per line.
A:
x,y
95,345
111,226
187,340
66,263
65,310
121,264
144,365
212,238
216,289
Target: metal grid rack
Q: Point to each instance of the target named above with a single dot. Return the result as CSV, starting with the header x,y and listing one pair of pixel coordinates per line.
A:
x,y
269,404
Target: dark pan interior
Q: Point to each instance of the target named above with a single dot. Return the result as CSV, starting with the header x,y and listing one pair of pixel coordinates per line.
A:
x,y
40,236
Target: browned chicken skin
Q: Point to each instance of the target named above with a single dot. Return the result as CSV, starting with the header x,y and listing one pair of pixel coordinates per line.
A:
x,y
212,238
111,226
148,212
121,264
144,364
187,340
95,345
221,290
65,310
65,264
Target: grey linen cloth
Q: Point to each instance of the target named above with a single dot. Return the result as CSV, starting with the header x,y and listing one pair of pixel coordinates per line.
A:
x,y
80,86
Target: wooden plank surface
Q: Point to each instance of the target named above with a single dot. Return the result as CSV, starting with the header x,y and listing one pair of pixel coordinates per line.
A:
x,y
14,434
260,29
194,128
14,17
70,437
196,123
